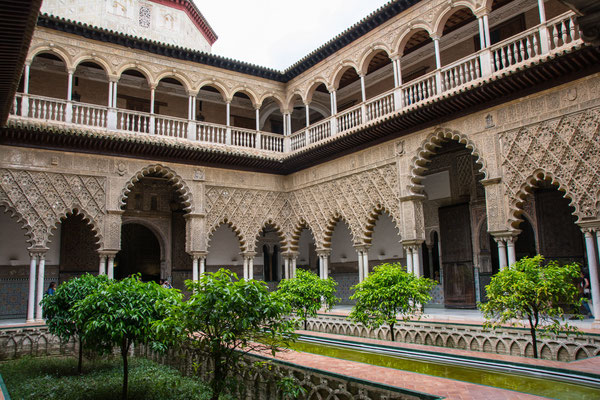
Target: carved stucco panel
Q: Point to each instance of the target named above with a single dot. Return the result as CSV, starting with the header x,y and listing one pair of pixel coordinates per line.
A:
x,y
42,199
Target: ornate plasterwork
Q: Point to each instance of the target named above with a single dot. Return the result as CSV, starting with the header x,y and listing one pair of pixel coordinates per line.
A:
x,y
355,198
428,148
564,150
246,211
42,199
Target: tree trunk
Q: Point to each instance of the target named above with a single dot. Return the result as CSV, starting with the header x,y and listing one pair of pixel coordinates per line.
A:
x,y
534,342
218,380
80,362
124,348
392,331
305,324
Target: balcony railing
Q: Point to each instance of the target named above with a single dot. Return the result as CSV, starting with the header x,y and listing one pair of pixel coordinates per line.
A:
x,y
556,35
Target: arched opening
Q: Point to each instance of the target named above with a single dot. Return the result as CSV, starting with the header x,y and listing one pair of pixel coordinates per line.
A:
x,y
418,55
47,67
210,105
307,254
379,75
455,207
78,248
386,243
133,91
140,253
525,245
343,262
14,268
269,243
298,113
154,204
320,103
348,89
271,118
224,251
455,47
171,98
90,84
242,111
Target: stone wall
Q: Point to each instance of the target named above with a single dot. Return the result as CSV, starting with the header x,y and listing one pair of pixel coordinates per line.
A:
x,y
511,341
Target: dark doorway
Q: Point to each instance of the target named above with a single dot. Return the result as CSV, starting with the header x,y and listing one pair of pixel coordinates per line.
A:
x,y
525,244
140,253
457,250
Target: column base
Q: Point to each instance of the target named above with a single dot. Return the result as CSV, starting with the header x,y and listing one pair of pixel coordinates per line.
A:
x,y
31,321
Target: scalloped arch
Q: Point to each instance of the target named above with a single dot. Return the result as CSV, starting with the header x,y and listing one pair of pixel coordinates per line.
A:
x,y
427,149
176,181
296,231
5,207
539,175
236,231
280,233
87,218
332,223
369,226
55,50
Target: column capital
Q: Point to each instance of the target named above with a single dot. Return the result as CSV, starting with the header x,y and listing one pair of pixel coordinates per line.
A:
x,y
196,255
504,235
589,226
323,252
248,254
37,251
362,247
113,78
107,253
412,243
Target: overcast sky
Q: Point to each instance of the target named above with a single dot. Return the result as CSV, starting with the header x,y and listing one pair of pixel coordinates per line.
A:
x,y
277,33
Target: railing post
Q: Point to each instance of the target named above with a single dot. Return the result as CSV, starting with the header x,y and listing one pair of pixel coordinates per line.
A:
x,y
333,125
152,125
111,119
25,106
397,99
191,130
228,136
306,137
544,39
258,143
438,82
363,112
69,112
485,60
287,144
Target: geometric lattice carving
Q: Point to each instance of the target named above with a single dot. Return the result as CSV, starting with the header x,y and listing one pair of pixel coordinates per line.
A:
x,y
565,150
247,211
354,198
42,199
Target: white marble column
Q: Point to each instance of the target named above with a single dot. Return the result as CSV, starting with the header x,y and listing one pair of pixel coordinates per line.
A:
x,y
593,269
70,86
326,265
110,94
542,10
228,113
365,257
114,102
409,259
416,261
111,266
510,249
333,99
152,96
26,78
486,30
286,267
257,117
360,266
32,276
294,260
501,252
202,264
438,59
40,286
246,268
195,268
482,41
190,107
307,112
363,90
251,267
102,266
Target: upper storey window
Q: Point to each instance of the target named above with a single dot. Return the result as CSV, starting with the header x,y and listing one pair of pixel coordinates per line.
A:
x,y
144,19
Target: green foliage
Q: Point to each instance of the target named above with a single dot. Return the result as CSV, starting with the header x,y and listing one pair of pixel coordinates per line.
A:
x,y
58,308
290,389
224,319
388,292
307,293
122,314
57,378
533,291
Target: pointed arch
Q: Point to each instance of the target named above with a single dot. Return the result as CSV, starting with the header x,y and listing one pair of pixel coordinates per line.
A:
x,y
530,184
427,149
372,218
330,227
278,230
6,207
176,181
368,55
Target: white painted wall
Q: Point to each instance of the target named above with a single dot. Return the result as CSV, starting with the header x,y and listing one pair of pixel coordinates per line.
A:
x,y
167,25
13,243
224,248
385,242
341,244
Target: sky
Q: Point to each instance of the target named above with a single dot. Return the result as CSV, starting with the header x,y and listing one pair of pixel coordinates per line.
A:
x,y
278,33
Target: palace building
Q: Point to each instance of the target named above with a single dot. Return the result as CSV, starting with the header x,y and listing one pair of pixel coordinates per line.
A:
x,y
453,136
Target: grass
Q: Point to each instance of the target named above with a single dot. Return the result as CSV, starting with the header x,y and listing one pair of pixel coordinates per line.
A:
x,y
56,378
